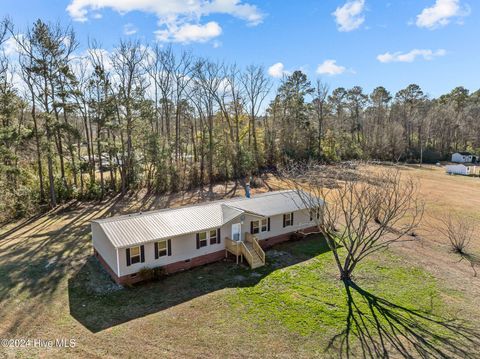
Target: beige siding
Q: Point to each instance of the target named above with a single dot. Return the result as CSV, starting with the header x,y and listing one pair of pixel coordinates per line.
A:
x,y
104,246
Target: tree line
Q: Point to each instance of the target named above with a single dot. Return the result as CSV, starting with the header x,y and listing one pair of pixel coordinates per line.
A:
x,y
84,124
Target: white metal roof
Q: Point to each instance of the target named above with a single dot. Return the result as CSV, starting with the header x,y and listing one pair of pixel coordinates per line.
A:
x,y
124,231
128,230
270,203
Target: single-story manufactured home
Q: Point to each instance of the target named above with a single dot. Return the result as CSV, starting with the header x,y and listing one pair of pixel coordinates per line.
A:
x,y
180,238
463,157
464,169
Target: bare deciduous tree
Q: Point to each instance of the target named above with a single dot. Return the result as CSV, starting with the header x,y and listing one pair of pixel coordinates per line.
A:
x,y
321,110
256,87
365,209
167,120
459,230
127,62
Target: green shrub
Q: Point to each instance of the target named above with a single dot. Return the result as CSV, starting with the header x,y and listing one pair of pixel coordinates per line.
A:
x,y
26,202
62,190
159,272
93,191
150,274
17,203
147,274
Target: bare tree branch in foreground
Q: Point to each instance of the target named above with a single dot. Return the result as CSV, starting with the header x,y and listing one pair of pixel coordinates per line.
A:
x,y
365,211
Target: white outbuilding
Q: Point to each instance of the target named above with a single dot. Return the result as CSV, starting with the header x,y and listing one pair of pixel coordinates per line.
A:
x,y
463,157
460,169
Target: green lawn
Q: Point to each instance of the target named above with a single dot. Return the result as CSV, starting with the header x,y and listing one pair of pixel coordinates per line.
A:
x,y
404,301
296,298
407,317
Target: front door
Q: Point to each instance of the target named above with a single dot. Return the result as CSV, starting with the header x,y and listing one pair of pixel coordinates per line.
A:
x,y
237,231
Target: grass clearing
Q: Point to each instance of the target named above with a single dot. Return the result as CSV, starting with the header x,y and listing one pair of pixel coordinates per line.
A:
x,y
307,301
52,287
296,297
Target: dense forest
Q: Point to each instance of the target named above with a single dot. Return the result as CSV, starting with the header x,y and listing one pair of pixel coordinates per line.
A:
x,y
91,123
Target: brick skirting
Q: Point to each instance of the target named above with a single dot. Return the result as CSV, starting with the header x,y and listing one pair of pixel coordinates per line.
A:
x,y
194,262
169,268
270,242
197,261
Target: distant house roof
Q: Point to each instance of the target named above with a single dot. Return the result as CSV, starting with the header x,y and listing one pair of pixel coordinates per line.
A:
x,y
465,153
128,230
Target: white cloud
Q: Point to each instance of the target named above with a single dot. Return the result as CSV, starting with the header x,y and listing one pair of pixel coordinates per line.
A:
x,y
410,56
440,14
330,67
236,8
190,33
178,20
350,16
11,47
276,70
129,29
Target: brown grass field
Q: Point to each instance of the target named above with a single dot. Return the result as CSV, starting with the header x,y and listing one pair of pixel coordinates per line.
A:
x,y
51,287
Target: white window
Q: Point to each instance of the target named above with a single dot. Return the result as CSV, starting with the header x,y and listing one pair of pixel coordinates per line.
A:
x,y
264,225
255,227
288,219
134,255
162,248
202,239
213,236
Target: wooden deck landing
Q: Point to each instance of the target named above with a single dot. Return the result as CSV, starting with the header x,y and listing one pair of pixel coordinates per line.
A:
x,y
249,249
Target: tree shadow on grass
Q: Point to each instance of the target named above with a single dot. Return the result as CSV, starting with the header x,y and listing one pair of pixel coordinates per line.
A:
x,y
382,329
98,303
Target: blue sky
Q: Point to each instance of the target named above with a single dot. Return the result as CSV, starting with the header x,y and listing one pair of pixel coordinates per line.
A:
x,y
434,43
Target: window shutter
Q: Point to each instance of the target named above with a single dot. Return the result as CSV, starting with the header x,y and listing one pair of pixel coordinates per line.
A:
x,y
169,247
251,227
128,257
198,240
142,254
218,235
292,219
156,250
268,224
284,217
